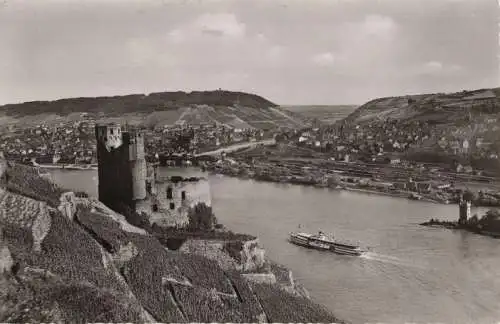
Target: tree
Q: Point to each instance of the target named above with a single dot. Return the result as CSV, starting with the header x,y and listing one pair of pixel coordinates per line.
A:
x,y
201,217
333,180
140,220
491,215
474,220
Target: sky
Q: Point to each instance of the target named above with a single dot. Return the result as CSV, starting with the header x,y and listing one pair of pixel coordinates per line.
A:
x,y
292,52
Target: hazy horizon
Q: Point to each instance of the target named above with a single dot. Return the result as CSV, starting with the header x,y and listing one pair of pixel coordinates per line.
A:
x,y
291,52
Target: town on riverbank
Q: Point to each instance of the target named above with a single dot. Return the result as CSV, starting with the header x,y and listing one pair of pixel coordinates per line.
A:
x,y
408,180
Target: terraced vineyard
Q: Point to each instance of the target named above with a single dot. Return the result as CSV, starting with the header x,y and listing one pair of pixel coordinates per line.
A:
x,y
26,180
89,267
242,117
235,109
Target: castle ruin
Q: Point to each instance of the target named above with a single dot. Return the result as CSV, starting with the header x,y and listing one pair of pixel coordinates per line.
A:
x,y
126,179
122,169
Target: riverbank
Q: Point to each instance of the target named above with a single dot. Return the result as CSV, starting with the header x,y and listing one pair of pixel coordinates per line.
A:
x,y
472,227
297,172
67,166
436,198
406,195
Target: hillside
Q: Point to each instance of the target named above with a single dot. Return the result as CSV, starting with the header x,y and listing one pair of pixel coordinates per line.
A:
x,y
462,126
224,107
69,259
440,108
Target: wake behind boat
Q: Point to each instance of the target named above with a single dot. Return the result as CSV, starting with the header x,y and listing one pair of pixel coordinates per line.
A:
x,y
321,241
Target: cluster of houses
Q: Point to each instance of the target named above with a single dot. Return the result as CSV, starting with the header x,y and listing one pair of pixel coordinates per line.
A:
x,y
70,142
375,142
74,142
192,139
386,141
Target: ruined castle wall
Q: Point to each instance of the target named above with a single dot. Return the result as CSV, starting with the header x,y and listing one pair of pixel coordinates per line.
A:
x,y
196,192
138,167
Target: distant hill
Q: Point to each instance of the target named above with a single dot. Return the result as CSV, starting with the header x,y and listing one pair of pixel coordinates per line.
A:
x,y
463,126
326,114
237,109
438,108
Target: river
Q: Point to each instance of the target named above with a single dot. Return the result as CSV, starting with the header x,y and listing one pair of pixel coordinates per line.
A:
x,y
413,274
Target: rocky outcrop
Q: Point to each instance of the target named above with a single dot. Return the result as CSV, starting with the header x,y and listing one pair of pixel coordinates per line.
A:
x,y
68,205
261,278
6,261
252,256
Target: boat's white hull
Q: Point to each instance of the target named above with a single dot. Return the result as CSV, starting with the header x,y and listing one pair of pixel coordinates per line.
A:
x,y
325,246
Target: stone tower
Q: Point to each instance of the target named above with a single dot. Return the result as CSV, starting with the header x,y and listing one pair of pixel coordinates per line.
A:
x,y
121,166
464,211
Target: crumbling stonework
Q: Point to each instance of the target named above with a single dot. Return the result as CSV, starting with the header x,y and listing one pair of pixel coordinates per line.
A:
x,y
6,261
68,205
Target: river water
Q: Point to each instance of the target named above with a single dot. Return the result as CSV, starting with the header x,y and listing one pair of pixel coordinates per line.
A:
x,y
413,274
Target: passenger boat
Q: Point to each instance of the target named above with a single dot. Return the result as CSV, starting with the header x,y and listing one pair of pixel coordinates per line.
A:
x,y
321,241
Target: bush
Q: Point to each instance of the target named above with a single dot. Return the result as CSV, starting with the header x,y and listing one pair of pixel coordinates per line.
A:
x,y
163,234
234,248
133,217
201,217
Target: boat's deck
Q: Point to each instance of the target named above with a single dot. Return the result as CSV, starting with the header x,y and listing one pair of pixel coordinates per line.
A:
x,y
326,239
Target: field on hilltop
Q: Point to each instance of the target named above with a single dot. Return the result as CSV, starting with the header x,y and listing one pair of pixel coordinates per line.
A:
x,y
235,109
327,114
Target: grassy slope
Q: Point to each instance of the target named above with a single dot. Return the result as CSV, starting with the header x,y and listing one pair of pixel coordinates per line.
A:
x,y
73,279
441,107
232,108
